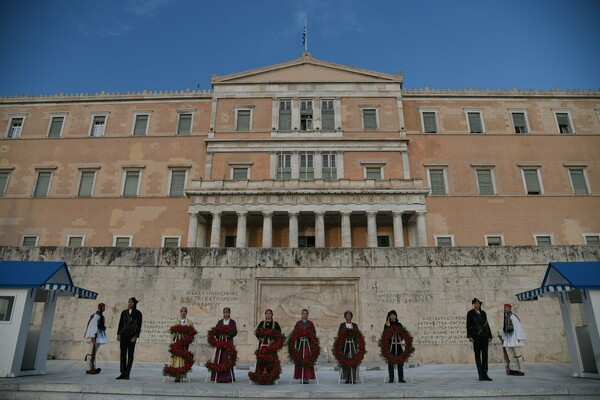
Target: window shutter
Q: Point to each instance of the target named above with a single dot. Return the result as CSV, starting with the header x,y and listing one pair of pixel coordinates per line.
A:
x,y
240,173
370,119
285,120
532,182
484,178
475,122
444,241
436,177
3,183
243,121
131,183
56,126
563,122
171,242
185,124
519,122
75,241
122,242
141,123
177,183
592,240
429,122
42,184
543,240
578,179
86,184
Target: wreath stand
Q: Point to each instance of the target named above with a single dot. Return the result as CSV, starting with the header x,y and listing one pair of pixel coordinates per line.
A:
x,y
396,341
304,340
219,351
263,343
350,345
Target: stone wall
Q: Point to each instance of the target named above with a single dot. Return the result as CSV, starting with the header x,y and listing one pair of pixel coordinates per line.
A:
x,y
430,288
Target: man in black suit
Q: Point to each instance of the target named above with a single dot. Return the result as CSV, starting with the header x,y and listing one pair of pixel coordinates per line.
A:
x,y
130,326
480,334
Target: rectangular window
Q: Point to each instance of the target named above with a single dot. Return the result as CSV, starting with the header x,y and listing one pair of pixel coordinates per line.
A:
x,y
239,173
373,173
306,241
184,125
578,181
140,126
122,241
285,115
177,185
6,307
485,182
592,240
437,181
56,126
429,121
171,242
86,183
30,241
327,115
98,124
243,121
306,115
519,122
493,240
443,241
284,166
543,240
42,184
369,119
383,241
15,127
563,121
532,181
329,167
475,121
230,240
3,182
75,241
131,184
306,166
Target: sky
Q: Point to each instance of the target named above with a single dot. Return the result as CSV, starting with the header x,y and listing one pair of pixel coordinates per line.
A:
x,y
89,46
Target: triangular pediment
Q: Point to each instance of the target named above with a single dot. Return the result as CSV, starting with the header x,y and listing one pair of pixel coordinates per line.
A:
x,y
306,70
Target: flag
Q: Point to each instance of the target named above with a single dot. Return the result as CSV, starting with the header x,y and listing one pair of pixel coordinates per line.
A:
x,y
304,35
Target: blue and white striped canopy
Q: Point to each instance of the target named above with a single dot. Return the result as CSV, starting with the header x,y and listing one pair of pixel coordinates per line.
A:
x,y
565,277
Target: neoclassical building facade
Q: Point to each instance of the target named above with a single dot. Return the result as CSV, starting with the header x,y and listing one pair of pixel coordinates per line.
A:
x,y
305,153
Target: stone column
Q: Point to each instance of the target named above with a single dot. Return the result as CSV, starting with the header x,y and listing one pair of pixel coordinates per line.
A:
x,y
293,229
267,239
346,229
193,230
398,231
421,229
319,229
202,231
215,230
371,229
240,238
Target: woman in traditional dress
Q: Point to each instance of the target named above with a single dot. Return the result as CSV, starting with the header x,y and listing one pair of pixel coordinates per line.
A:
x,y
178,362
222,354
349,374
268,323
395,346
304,373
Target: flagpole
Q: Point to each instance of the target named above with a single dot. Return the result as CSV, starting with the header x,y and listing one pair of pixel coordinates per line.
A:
x,y
305,37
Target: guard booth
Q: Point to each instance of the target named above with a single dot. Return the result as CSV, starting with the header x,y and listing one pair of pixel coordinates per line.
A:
x,y
28,294
577,286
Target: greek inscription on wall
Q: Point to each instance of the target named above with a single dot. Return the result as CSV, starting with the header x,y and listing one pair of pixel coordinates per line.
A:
x,y
442,330
412,296
157,330
209,297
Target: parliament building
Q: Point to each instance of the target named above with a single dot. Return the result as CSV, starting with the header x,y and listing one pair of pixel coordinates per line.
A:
x,y
306,153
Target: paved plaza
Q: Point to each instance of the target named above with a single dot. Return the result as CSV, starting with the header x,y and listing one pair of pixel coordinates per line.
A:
x,y
66,379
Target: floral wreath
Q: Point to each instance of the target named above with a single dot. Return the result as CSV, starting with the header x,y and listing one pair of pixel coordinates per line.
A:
x,y
268,356
339,343
179,348
313,345
213,339
385,343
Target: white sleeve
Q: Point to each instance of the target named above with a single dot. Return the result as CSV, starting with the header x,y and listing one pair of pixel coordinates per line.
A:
x,y
519,332
92,328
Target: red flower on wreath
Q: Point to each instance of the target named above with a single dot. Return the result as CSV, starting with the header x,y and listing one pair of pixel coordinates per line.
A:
x,y
385,344
293,348
267,356
185,336
213,339
339,343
